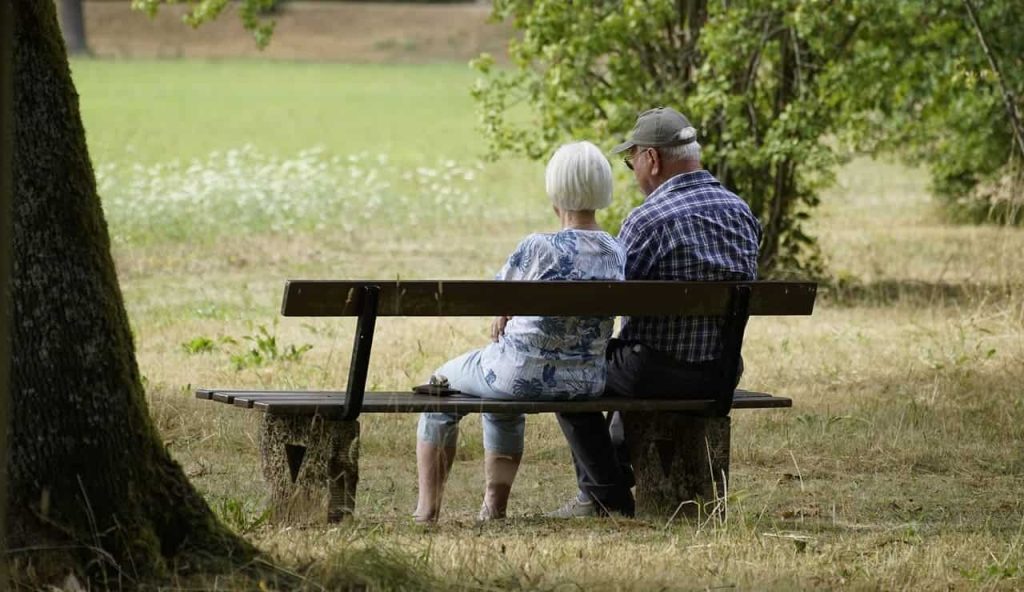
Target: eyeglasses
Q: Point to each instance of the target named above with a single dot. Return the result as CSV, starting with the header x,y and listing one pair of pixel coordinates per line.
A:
x,y
628,159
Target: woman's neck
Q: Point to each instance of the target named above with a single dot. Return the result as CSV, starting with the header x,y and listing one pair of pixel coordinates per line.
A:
x,y
578,220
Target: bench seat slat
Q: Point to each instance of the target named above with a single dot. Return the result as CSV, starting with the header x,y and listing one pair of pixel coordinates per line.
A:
x,y
229,396
332,403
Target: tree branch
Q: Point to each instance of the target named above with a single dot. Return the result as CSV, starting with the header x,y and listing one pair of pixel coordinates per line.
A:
x,y
649,60
749,91
1009,99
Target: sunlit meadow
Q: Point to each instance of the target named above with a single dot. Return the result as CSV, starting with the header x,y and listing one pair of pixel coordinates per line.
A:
x,y
309,192
899,467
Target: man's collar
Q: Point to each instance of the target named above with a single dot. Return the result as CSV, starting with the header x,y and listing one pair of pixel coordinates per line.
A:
x,y
682,181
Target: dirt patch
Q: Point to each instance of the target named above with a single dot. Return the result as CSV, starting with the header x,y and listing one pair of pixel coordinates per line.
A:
x,y
337,32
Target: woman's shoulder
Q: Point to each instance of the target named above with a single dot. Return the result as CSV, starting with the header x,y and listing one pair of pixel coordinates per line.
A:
x,y
571,241
600,236
604,241
545,241
533,242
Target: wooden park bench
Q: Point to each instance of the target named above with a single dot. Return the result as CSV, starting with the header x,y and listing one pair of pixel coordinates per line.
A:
x,y
680,447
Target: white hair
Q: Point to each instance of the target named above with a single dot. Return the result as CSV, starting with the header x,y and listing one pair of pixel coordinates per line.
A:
x,y
579,177
689,151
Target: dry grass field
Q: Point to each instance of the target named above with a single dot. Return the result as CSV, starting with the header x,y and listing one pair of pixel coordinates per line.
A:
x,y
901,465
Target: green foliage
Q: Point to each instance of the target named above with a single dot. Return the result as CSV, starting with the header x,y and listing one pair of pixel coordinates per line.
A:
x,y
757,78
266,350
781,90
251,12
202,344
242,516
199,345
944,106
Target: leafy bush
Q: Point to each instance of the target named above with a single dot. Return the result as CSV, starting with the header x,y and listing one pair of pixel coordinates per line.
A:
x,y
780,90
757,78
946,105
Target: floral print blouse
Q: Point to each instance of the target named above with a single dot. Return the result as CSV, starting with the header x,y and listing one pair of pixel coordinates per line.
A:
x,y
555,357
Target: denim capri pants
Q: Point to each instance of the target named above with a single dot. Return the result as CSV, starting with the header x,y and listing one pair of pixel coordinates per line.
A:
x,y
504,433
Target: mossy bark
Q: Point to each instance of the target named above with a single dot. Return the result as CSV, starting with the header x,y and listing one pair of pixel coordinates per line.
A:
x,y
90,479
6,193
681,463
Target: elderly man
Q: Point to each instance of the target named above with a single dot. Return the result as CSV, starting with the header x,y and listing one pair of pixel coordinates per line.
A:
x,y
691,228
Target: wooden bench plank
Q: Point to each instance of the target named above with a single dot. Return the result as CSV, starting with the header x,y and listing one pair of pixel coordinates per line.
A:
x,y
228,396
333,402
329,298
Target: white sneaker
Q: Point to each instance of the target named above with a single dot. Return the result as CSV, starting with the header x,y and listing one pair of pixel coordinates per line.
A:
x,y
576,508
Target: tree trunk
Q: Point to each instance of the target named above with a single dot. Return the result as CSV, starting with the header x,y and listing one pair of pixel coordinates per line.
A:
x,y
72,25
92,488
6,191
780,207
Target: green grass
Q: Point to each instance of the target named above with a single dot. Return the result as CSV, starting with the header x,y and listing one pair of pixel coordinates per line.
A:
x,y
156,111
181,147
900,466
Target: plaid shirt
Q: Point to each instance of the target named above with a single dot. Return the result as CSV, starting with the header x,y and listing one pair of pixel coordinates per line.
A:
x,y
690,229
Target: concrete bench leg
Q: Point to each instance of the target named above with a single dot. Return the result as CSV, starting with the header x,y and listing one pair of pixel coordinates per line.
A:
x,y
681,463
312,467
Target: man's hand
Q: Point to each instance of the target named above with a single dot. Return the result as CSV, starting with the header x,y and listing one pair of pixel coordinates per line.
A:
x,y
498,327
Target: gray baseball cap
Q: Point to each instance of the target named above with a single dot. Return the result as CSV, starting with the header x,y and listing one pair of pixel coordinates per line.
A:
x,y
659,127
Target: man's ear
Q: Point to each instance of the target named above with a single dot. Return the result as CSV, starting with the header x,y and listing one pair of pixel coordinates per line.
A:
x,y
655,162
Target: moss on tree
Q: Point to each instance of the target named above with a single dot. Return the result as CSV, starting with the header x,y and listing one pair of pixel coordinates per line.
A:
x,y
92,488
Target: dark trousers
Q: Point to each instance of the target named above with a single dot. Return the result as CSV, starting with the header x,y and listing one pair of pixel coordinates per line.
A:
x,y
599,452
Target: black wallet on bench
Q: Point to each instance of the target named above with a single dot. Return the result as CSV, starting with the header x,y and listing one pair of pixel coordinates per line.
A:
x,y
436,390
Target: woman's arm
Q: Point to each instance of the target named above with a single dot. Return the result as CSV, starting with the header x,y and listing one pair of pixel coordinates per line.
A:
x,y
516,267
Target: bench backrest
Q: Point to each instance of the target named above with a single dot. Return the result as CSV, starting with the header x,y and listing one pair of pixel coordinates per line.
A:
x,y
734,301
312,298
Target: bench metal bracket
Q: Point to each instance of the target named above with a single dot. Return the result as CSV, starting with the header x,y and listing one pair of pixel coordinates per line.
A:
x,y
369,300
732,344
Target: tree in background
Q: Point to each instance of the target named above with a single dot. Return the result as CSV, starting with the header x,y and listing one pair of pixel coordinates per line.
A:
x,y
780,90
755,78
954,84
72,25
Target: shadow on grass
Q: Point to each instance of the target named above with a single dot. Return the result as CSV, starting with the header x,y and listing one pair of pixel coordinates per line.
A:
x,y
844,292
956,418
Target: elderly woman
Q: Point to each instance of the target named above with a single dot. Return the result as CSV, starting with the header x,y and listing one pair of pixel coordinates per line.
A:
x,y
531,357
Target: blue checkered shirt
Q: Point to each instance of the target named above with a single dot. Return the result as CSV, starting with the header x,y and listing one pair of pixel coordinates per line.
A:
x,y
689,229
